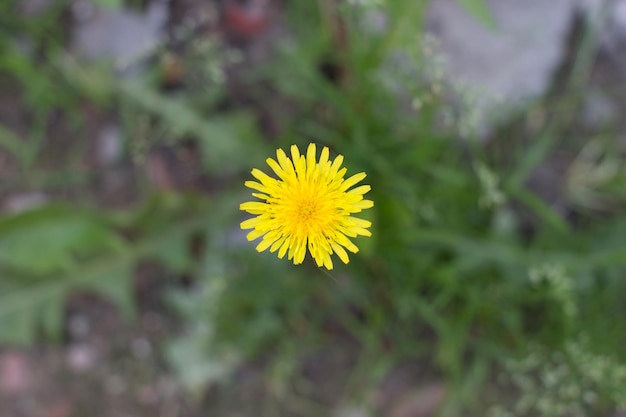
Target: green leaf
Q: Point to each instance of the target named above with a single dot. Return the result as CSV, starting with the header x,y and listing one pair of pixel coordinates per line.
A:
x,y
51,314
480,10
109,4
48,239
13,144
47,253
44,254
173,253
24,308
195,363
30,307
220,153
225,141
115,281
17,331
543,210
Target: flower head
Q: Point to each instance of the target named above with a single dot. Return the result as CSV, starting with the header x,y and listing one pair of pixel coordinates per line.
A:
x,y
309,206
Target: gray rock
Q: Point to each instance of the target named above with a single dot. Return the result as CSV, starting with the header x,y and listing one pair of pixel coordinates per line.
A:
x,y
122,36
612,30
507,66
33,8
109,145
24,201
599,110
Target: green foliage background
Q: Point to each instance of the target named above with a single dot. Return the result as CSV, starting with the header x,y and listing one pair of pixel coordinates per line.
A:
x,y
467,271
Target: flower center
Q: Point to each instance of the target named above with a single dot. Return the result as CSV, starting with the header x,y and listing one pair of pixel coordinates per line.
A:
x,y
307,210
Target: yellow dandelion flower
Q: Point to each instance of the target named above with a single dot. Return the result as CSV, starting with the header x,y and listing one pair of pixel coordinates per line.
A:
x,y
309,206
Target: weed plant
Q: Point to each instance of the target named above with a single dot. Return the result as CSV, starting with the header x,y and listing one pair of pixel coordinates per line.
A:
x,y
517,307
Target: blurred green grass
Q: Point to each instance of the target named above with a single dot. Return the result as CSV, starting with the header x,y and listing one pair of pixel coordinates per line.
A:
x,y
468,270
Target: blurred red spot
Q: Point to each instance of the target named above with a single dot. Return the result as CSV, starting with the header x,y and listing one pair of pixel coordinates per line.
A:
x,y
61,408
14,373
423,402
246,20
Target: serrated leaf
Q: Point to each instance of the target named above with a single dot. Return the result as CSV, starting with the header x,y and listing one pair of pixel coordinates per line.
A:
x,y
51,314
173,253
480,10
45,240
115,281
22,310
47,253
44,254
220,153
32,306
18,330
